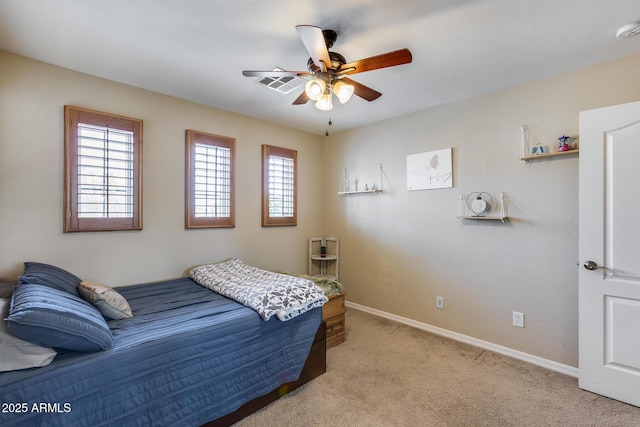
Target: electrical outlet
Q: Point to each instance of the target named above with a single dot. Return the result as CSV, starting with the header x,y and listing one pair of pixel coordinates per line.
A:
x,y
518,319
440,303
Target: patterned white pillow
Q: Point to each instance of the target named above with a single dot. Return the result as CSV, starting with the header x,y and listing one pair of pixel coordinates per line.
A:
x,y
106,299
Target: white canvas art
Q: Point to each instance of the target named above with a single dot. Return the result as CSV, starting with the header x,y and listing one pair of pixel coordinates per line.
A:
x,y
433,169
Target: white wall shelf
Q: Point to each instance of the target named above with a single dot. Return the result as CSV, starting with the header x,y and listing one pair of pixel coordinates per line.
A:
x,y
346,189
347,193
547,155
498,212
486,218
531,146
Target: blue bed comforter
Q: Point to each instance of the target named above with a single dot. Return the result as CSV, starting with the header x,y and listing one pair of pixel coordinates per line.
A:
x,y
186,357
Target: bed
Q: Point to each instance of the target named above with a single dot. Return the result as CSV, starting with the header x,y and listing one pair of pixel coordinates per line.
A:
x,y
187,357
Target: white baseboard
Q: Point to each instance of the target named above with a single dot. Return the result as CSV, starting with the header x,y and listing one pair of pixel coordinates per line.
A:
x,y
545,363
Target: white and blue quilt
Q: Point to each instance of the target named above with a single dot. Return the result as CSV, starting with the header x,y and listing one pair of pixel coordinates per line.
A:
x,y
266,292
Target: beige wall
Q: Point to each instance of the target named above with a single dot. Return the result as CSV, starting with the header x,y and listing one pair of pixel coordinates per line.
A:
x,y
32,96
398,250
401,249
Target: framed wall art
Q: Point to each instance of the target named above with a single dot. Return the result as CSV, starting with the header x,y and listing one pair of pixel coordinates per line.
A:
x,y
430,170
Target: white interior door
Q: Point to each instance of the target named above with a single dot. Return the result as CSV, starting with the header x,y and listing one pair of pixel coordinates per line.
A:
x,y
610,240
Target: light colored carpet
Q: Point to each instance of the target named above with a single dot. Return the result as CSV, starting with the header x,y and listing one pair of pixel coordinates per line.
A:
x,y
389,374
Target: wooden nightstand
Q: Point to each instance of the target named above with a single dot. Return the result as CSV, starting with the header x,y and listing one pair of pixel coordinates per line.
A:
x,y
333,315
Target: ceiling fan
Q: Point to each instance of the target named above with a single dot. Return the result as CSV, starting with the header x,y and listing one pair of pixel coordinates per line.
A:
x,y
327,71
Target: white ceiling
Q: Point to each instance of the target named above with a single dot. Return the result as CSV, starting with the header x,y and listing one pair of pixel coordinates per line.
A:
x,y
197,49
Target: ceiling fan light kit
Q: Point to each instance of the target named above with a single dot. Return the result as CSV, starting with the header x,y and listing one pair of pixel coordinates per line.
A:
x,y
343,91
327,71
325,103
629,30
315,89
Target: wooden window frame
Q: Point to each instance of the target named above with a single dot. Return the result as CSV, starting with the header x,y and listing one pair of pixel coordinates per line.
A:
x,y
193,137
267,220
73,116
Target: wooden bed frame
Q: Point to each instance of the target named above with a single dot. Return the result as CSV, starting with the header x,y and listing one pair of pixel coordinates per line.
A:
x,y
315,366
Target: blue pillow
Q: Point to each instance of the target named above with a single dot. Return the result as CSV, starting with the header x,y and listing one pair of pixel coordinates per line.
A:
x,y
52,276
53,318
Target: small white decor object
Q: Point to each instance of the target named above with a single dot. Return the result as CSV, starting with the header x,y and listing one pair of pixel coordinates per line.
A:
x,y
530,145
479,203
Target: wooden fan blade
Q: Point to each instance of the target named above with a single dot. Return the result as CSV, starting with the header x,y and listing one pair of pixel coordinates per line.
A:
x,y
302,99
364,92
274,73
313,40
390,59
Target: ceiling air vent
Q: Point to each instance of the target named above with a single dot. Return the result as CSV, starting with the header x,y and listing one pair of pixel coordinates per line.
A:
x,y
281,84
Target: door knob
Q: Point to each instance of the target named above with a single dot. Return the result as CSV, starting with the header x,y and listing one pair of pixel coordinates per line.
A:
x,y
590,265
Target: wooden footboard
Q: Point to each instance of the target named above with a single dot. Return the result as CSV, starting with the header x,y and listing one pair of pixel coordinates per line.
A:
x,y
315,366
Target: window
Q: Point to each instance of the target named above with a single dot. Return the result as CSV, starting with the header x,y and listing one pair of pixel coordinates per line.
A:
x,y
103,168
210,174
279,193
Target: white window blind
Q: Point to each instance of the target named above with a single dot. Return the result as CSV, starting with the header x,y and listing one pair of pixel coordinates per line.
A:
x,y
212,191
281,186
105,186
